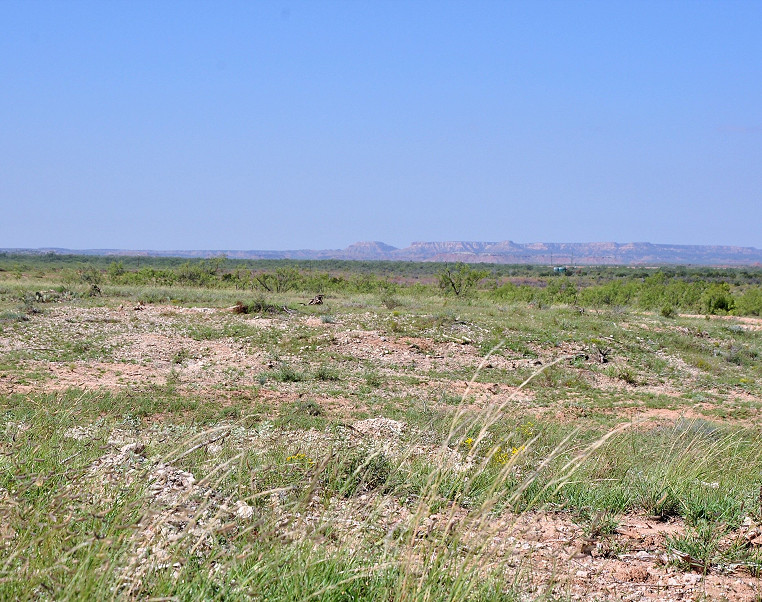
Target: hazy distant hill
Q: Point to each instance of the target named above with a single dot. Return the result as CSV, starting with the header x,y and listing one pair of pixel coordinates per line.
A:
x,y
594,253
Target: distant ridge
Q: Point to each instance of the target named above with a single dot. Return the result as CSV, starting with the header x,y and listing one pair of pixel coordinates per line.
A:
x,y
577,253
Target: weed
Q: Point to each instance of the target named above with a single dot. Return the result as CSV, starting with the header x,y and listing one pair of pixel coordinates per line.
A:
x,y
402,490
598,524
13,316
261,305
301,460
373,379
181,356
623,373
311,407
326,373
695,550
389,301
360,470
287,374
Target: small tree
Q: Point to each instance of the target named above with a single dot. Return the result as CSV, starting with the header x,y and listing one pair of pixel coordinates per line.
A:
x,y
115,271
91,275
717,299
750,303
460,280
282,280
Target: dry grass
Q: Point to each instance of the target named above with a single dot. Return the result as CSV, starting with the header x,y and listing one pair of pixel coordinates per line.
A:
x,y
422,451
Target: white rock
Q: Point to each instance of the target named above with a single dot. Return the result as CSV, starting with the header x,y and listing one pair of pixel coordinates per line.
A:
x,y
243,510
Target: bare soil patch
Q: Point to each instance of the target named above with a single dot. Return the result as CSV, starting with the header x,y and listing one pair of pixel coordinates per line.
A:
x,y
115,349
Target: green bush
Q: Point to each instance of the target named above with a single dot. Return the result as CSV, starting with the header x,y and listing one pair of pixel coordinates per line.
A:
x,y
750,303
513,294
460,280
717,299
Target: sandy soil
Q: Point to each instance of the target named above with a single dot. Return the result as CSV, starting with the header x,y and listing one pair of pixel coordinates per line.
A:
x,y
150,347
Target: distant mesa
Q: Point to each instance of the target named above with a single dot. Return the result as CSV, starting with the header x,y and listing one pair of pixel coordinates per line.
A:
x,y
506,252
368,250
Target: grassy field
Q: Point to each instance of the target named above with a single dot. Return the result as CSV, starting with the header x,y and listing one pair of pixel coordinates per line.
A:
x,y
388,445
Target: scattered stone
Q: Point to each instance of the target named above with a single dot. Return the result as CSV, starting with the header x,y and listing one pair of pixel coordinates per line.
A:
x,y
243,510
381,427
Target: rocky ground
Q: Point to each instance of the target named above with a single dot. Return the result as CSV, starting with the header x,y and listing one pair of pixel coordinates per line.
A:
x,y
370,367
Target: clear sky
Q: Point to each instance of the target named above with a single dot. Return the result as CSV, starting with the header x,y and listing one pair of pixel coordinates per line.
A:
x,y
281,125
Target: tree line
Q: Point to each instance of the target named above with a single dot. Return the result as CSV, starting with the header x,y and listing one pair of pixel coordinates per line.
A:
x,y
668,289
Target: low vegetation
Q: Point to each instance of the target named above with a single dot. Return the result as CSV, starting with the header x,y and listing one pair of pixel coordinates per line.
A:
x,y
194,430
715,291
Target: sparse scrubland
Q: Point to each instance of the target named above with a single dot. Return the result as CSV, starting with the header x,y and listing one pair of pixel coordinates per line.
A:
x,y
191,430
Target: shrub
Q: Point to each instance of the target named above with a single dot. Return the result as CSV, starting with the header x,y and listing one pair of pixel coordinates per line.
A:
x,y
260,305
282,280
389,301
460,280
287,374
326,374
90,275
13,316
373,379
750,303
559,290
717,299
614,293
115,271
311,407
511,293
623,373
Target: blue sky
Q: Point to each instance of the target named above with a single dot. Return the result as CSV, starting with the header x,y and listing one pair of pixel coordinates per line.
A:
x,y
281,125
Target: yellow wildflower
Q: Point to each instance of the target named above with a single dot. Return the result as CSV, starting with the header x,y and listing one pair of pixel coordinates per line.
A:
x,y
301,459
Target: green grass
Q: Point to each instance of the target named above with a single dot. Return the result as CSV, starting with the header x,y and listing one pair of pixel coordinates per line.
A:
x,y
665,472
293,499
